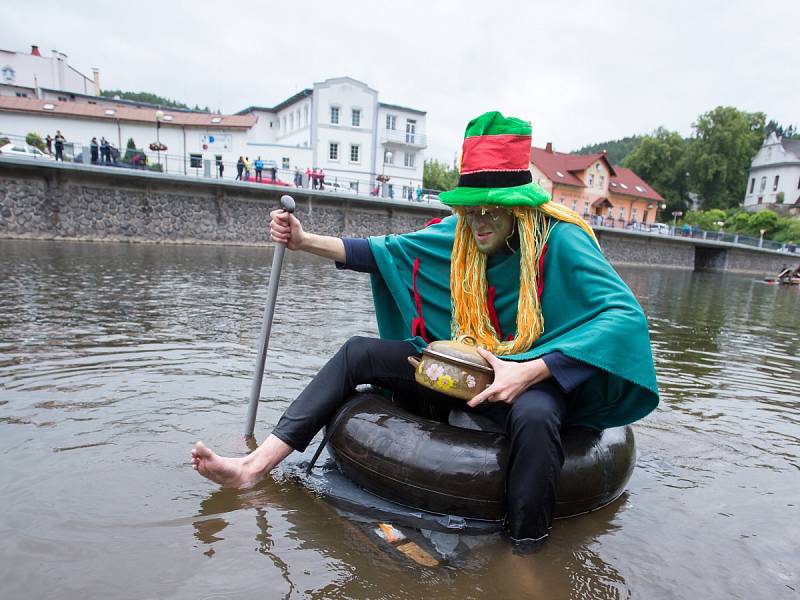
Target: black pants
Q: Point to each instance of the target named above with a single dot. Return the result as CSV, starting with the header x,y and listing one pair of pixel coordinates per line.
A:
x,y
258,175
239,170
532,422
60,152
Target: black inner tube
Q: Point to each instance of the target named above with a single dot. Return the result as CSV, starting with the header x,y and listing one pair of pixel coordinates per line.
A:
x,y
432,466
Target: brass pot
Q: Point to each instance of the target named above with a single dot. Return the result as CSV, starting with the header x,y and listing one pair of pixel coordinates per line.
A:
x,y
453,367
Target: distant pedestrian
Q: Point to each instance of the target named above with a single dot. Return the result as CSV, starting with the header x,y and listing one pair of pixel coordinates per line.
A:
x,y
104,153
94,150
314,178
321,179
60,139
298,178
239,168
309,179
247,168
419,194
49,141
259,165
220,167
274,172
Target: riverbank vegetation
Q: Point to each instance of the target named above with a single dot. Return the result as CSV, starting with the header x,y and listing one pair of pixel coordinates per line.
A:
x,y
775,227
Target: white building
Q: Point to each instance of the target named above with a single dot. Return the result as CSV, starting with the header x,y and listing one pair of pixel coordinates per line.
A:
x,y
29,75
774,180
338,125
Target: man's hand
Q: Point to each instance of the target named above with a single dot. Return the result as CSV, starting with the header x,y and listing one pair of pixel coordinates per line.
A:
x,y
510,379
286,229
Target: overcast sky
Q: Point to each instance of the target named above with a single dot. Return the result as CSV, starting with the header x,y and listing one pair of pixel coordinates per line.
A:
x,y
595,71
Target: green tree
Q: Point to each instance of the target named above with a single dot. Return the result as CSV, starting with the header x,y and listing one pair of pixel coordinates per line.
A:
x,y
147,97
660,159
616,150
35,140
720,151
438,176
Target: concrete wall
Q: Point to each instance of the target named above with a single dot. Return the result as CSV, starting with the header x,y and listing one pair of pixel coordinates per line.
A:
x,y
47,200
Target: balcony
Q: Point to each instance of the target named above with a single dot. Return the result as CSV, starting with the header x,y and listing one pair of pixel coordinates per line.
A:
x,y
401,138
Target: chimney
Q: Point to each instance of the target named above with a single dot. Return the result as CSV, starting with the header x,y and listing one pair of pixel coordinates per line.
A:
x,y
35,50
549,147
96,77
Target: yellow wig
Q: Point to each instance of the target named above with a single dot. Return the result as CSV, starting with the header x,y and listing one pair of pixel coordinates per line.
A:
x,y
469,288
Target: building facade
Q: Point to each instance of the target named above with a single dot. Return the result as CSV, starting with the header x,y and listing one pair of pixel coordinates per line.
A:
x,y
774,179
599,191
340,126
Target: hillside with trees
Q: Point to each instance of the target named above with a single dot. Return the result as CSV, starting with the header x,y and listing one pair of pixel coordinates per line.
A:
x,y
616,150
150,98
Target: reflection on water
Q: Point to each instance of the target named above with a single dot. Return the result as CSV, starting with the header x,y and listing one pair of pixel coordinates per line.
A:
x,y
114,359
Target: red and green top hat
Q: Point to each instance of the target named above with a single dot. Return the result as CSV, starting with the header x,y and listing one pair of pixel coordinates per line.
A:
x,y
495,165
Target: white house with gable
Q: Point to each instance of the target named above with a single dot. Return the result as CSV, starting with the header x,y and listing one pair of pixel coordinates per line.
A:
x,y
774,180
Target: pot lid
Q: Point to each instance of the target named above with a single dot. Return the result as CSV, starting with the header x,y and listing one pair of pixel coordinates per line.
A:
x,y
463,350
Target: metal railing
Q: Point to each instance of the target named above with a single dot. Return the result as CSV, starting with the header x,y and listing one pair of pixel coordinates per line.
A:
x,y
692,233
418,140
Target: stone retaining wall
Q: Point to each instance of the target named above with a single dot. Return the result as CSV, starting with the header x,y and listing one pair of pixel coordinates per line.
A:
x,y
47,200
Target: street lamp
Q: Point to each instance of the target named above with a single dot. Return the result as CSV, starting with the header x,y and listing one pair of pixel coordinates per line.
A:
x,y
159,116
675,215
387,158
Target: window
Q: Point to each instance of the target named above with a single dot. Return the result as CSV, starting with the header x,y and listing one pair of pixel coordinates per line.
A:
x,y
753,184
561,200
411,130
355,153
633,214
408,159
640,189
356,117
798,184
559,173
334,115
354,186
602,181
762,185
388,158
597,166
333,151
623,186
775,183
291,121
621,213
391,122
22,95
408,193
62,98
305,115
216,119
586,208
574,204
591,179
285,162
284,124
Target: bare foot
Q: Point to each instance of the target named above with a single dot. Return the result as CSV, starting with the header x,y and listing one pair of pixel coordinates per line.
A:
x,y
228,472
239,472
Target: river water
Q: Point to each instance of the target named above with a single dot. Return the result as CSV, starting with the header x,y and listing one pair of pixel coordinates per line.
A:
x,y
115,359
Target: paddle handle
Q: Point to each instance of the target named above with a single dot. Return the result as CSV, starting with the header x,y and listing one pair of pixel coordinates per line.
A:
x,y
287,204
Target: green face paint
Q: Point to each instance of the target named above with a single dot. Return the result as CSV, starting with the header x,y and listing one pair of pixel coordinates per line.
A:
x,y
490,226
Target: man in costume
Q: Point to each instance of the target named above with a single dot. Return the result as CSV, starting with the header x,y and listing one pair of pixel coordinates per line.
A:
x,y
522,275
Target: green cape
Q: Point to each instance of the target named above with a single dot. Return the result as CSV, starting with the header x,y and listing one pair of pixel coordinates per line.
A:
x,y
590,314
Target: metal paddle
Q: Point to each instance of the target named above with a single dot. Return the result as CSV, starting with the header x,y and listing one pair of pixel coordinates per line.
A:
x,y
287,204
